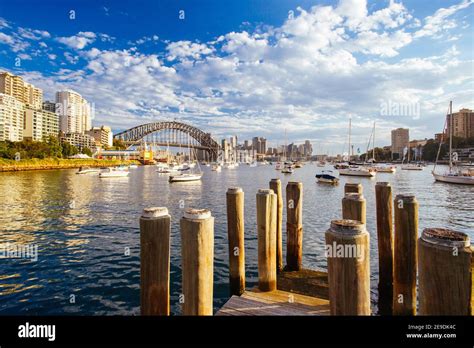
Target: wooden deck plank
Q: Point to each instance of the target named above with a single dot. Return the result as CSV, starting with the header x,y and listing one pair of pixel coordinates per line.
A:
x,y
276,302
305,282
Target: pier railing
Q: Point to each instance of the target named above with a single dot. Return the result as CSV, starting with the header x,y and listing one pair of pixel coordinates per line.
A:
x,y
440,261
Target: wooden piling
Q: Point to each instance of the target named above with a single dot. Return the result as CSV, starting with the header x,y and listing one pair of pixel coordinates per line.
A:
x,y
266,231
294,226
275,185
384,207
405,255
155,261
235,231
197,252
347,251
350,187
354,207
445,271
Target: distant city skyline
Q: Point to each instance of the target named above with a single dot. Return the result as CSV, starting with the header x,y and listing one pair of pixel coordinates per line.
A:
x,y
252,70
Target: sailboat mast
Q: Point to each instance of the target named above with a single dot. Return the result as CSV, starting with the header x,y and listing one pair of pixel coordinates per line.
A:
x,y
373,146
350,124
450,134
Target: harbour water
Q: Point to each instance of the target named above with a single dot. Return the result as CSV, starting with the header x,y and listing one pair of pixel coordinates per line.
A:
x,y
87,236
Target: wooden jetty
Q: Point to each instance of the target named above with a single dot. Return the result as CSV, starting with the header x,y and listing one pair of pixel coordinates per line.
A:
x,y
441,272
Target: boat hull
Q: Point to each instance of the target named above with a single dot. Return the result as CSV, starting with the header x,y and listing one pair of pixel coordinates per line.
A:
x,y
454,179
362,173
185,178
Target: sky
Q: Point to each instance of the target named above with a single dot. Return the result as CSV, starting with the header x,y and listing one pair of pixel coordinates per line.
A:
x,y
252,67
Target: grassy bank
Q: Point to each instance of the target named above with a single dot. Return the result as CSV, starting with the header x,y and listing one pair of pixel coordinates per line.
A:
x,y
7,165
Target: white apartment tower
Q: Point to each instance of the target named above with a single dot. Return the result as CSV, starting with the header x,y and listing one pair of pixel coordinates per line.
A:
x,y
74,112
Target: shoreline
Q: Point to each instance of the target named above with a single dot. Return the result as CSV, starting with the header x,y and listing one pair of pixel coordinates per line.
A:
x,y
58,163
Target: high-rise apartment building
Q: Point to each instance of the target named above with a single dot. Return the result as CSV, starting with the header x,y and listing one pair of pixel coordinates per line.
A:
x,y
400,139
74,112
26,93
463,123
12,114
103,136
40,124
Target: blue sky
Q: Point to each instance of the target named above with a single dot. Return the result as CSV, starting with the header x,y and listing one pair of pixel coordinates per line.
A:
x,y
251,67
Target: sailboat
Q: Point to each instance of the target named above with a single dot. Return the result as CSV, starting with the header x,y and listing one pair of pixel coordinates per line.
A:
x,y
353,170
408,165
377,167
454,175
187,176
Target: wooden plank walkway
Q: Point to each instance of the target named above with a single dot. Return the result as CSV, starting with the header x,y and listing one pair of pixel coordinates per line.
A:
x,y
278,302
305,282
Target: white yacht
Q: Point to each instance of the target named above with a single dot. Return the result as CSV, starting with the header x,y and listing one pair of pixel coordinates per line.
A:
x,y
113,173
455,174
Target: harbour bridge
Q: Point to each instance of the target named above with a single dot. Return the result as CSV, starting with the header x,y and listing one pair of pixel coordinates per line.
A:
x,y
173,134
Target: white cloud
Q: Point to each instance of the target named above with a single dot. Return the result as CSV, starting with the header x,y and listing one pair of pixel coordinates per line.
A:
x,y
33,34
187,49
79,41
440,21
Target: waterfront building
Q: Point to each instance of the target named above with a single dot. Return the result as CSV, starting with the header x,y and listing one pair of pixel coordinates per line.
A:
x,y
39,124
463,123
103,136
25,93
308,149
79,140
259,144
74,112
12,113
400,139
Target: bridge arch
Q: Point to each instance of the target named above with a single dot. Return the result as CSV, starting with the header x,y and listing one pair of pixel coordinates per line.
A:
x,y
135,134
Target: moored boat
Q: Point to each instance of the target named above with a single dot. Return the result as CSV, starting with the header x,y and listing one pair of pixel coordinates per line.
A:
x,y
87,170
358,171
327,176
113,173
185,177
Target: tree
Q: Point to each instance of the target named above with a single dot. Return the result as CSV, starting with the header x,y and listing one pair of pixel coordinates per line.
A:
x,y
119,144
87,151
68,150
430,150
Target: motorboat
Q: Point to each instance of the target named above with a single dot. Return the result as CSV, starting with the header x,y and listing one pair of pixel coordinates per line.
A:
x,y
87,170
216,167
132,166
327,176
253,164
358,171
287,170
185,177
113,173
385,169
412,166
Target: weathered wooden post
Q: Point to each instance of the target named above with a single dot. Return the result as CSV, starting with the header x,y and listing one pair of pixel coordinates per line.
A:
x,y
235,231
266,230
348,255
197,252
350,187
405,255
294,226
384,207
354,207
275,185
445,272
155,261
